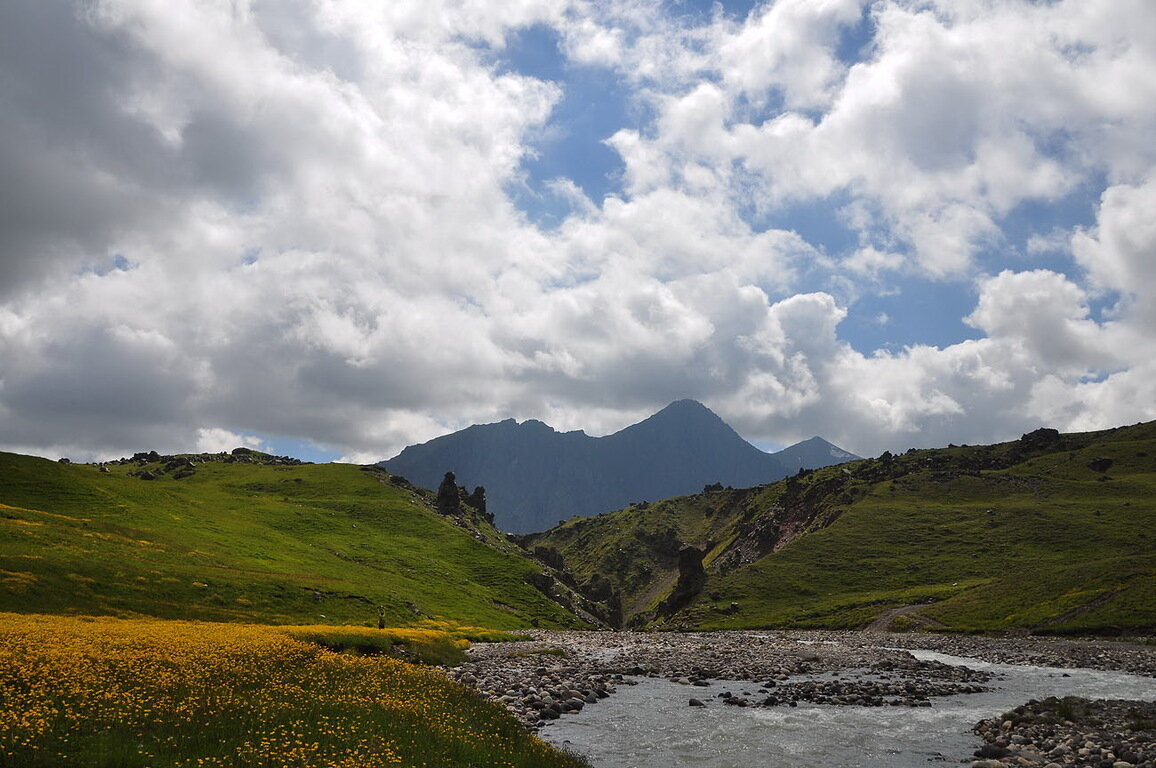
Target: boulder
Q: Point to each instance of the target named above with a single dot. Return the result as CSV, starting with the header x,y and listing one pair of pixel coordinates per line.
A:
x,y
449,498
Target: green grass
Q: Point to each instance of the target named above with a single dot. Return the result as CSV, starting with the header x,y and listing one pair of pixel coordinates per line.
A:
x,y
1029,546
1021,534
308,544
637,548
432,643
1050,532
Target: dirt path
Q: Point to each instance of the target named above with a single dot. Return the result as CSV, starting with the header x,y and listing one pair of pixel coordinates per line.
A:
x,y
887,618
1080,610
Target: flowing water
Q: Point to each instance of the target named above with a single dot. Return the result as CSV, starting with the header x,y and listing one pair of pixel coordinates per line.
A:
x,y
650,725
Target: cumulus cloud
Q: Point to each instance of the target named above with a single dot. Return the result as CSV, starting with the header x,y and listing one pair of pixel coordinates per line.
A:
x,y
256,221
789,47
953,119
217,440
1118,253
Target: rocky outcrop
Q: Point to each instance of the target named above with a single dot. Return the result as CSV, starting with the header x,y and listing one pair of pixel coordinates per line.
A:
x,y
452,498
691,579
153,466
449,498
1100,464
549,556
601,591
477,500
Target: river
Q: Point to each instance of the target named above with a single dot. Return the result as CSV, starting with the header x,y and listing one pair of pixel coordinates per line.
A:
x,y
650,725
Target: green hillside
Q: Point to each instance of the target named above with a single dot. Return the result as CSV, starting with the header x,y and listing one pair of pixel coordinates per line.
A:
x,y
1051,532
254,538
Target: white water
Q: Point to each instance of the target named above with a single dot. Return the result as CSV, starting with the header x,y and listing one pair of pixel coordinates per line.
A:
x,y
650,725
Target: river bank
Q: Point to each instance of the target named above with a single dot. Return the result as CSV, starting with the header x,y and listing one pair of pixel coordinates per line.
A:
x,y
554,675
1063,731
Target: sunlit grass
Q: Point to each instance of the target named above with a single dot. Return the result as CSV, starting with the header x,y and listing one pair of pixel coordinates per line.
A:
x,y
109,693
432,642
311,544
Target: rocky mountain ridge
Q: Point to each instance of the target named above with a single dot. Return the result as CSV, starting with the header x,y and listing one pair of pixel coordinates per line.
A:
x,y
535,476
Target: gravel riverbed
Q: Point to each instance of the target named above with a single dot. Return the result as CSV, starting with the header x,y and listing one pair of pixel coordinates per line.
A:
x,y
556,674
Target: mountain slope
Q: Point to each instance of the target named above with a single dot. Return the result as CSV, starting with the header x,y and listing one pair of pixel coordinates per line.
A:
x,y
248,537
535,476
1051,532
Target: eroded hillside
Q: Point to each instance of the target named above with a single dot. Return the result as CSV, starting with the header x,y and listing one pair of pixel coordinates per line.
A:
x,y
1051,532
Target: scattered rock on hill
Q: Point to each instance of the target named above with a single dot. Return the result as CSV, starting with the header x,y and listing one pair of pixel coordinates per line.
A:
x,y
1100,464
184,465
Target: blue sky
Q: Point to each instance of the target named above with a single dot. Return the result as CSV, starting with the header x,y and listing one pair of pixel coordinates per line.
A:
x,y
595,104
334,229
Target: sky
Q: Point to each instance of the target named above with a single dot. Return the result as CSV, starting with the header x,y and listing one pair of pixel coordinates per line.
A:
x,y
333,228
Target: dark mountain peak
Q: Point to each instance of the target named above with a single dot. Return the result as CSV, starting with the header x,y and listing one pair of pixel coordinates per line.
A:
x,y
813,453
685,410
686,405
534,475
688,417
505,425
818,443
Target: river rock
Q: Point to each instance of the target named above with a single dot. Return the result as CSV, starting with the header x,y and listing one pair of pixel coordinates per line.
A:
x,y
535,676
1076,731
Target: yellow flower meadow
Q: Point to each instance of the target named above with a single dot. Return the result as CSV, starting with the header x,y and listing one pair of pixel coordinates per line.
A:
x,y
109,692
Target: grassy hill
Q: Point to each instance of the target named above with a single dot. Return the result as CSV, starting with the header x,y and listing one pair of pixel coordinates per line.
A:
x,y
254,538
1051,532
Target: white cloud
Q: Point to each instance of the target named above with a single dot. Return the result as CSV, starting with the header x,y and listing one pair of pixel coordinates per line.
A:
x,y
217,440
871,262
1047,315
789,47
259,221
1119,252
955,118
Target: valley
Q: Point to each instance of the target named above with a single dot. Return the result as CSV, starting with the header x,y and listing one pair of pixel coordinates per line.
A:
x,y
786,591
1049,533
